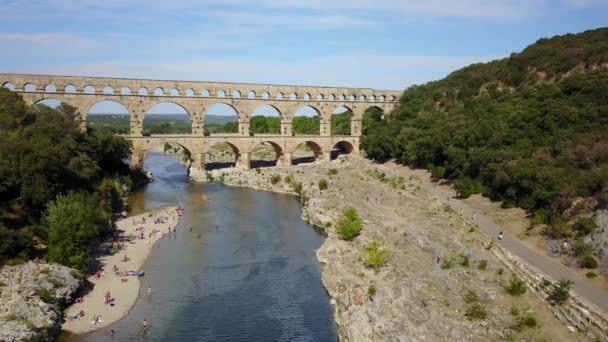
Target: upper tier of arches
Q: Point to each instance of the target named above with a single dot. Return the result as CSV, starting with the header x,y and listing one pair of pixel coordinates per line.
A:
x,y
133,87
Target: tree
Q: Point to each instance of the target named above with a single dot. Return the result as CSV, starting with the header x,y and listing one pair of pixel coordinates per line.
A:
x,y
75,223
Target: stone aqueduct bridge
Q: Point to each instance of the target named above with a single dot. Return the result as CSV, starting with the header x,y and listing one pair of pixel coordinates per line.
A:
x,y
138,96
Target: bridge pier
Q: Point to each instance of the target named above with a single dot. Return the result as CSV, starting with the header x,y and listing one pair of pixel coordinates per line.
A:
x,y
137,159
244,161
325,156
197,165
284,159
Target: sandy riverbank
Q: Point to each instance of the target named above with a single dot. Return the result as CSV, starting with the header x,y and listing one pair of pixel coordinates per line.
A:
x,y
125,293
436,260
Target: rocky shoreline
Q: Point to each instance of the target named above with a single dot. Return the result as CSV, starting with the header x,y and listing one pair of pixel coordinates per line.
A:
x,y
439,265
32,299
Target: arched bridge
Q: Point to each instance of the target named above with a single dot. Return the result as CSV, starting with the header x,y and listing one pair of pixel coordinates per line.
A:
x,y
138,95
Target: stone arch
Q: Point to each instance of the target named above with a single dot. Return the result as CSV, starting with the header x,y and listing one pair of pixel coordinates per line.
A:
x,y
352,98
49,102
391,98
125,91
307,97
319,97
98,112
29,88
266,95
381,98
306,152
189,92
174,92
372,98
220,93
186,156
279,96
236,94
260,156
305,113
217,158
107,90
251,94
341,120
70,89
362,98
222,109
331,97
142,91
340,148
293,96
205,93
89,89
50,88
342,97
9,85
267,118
159,91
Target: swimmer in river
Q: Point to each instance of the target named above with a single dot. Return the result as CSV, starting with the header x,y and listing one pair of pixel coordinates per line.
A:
x,y
198,236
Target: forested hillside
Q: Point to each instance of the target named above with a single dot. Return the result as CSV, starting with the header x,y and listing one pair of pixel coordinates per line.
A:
x,y
530,129
58,185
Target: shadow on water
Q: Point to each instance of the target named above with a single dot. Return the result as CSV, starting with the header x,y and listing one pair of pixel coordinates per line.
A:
x,y
252,276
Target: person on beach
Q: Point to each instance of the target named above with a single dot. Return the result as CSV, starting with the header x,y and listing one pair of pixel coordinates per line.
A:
x,y
500,235
145,324
112,333
149,290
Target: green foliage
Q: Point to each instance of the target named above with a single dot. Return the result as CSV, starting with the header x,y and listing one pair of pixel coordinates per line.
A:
x,y
290,179
304,125
333,172
349,225
464,260
560,292
557,229
591,275
476,311
75,222
45,154
482,264
581,248
525,322
322,184
274,179
265,125
584,226
297,187
515,287
498,129
471,297
375,254
45,295
371,291
340,123
588,261
447,263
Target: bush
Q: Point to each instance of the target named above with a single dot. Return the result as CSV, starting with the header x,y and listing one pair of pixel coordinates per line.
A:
x,y
581,248
333,171
45,295
289,179
588,261
584,226
297,187
464,260
525,322
516,287
349,226
274,179
591,275
375,254
482,265
558,229
476,311
322,184
447,263
471,297
560,292
371,291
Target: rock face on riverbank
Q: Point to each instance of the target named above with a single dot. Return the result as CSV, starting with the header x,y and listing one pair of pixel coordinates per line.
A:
x,y
441,282
32,297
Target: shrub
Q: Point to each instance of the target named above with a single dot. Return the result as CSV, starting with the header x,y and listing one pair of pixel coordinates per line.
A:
x,y
464,260
514,311
333,171
290,179
371,291
482,265
349,225
471,297
45,295
297,187
591,275
447,263
274,179
500,271
560,292
476,311
588,261
322,184
584,226
375,254
581,248
516,287
557,229
437,172
525,322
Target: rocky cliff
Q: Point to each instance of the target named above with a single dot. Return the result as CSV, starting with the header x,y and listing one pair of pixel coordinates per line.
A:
x,y
32,297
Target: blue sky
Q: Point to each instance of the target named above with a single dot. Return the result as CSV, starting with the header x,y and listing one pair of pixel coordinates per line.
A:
x,y
382,44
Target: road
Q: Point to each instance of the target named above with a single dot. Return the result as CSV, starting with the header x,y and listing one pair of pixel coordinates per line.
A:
x,y
583,287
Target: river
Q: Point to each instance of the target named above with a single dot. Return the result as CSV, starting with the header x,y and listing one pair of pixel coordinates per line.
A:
x,y
253,276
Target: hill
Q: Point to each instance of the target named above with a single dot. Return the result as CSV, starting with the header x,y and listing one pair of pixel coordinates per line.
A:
x,y
530,130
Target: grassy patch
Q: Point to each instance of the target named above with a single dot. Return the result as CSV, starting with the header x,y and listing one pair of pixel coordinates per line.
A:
x,y
349,226
375,254
515,287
